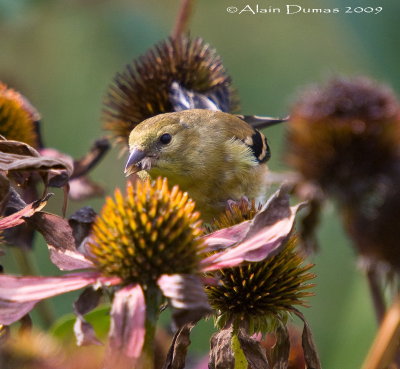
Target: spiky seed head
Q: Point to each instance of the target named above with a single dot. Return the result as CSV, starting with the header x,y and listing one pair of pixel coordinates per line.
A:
x,y
142,89
17,117
344,131
236,212
260,295
149,232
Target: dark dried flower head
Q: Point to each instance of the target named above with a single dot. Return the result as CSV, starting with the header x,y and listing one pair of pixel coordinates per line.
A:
x,y
344,133
143,89
261,294
149,232
17,117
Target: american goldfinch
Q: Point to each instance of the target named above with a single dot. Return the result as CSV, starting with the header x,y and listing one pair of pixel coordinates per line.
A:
x,y
214,156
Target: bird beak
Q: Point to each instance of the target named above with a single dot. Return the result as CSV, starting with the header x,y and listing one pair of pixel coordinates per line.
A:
x,y
133,164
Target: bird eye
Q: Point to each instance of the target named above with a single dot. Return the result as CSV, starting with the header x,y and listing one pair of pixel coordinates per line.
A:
x,y
165,138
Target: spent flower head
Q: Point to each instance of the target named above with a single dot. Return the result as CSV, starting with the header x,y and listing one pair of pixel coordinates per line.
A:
x,y
344,133
144,88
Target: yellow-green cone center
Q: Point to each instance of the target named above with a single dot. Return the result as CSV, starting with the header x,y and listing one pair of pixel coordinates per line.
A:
x,y
150,232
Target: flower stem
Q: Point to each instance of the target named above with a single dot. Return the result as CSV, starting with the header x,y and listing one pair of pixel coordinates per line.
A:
x,y
153,299
183,18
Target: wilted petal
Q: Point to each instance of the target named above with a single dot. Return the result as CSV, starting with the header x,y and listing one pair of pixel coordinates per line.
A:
x,y
309,349
226,237
17,218
221,354
128,315
176,356
85,303
280,352
25,289
11,311
187,297
268,230
60,240
254,353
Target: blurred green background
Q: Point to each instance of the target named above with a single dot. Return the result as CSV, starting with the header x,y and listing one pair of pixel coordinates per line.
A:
x,y
63,54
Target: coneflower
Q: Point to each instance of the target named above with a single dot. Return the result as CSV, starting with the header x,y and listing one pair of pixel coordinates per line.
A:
x,y
144,88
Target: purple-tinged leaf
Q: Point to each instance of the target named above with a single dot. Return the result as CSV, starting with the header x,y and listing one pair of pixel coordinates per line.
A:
x,y
128,315
176,356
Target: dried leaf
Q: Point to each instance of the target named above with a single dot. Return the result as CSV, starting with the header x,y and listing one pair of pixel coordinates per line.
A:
x,y
255,354
60,240
86,302
280,352
177,353
221,354
309,348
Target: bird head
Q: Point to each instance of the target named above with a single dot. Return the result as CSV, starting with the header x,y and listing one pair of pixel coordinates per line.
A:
x,y
159,143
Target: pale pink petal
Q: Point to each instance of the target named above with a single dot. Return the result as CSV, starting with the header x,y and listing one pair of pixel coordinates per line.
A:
x,y
25,289
261,244
186,295
226,237
11,311
17,218
185,291
68,259
128,315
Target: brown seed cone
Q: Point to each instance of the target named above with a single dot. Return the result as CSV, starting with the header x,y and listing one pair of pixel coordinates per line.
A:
x,y
142,89
344,134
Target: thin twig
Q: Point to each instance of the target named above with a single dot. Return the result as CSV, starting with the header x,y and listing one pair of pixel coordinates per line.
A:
x,y
182,20
386,342
376,295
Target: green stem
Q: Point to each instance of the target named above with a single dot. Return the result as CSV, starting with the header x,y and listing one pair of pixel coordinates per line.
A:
x,y
153,299
27,267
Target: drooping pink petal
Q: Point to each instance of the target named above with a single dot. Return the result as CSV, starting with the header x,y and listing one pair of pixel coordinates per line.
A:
x,y
18,295
184,290
186,295
257,247
25,289
17,218
226,237
11,311
68,259
128,315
